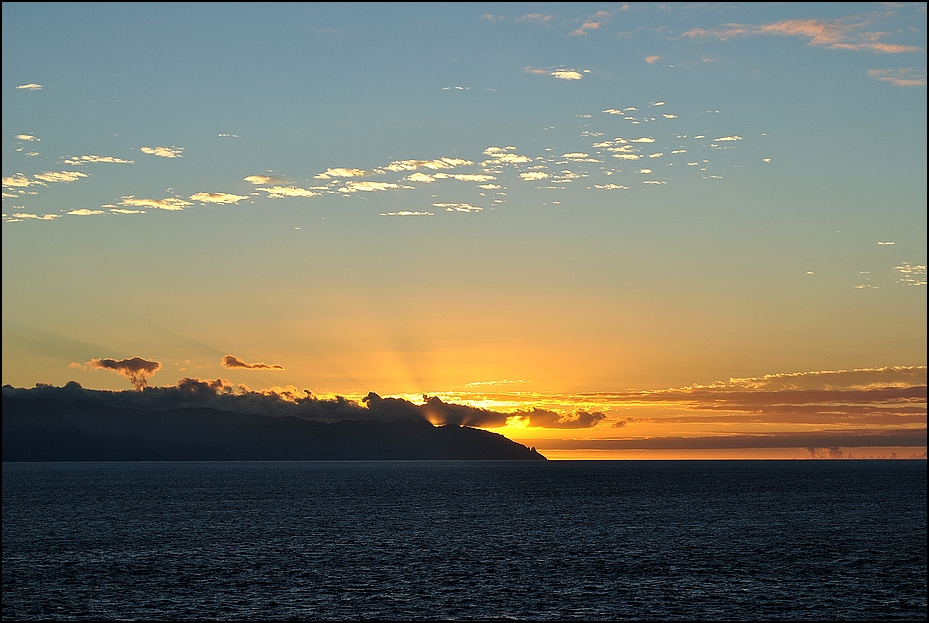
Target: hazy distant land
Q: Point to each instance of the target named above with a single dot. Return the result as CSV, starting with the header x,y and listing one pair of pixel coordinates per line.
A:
x,y
50,429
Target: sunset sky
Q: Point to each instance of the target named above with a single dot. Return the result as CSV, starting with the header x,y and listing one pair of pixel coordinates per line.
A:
x,y
690,230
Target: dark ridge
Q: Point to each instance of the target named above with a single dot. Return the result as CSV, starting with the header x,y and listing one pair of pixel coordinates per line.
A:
x,y
43,429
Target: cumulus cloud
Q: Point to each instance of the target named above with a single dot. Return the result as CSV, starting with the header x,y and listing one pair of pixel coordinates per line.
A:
x,y
32,86
86,212
668,116
26,137
644,139
18,180
537,18
724,139
532,176
169,203
627,156
263,179
340,172
221,198
234,363
136,369
900,77
60,176
884,243
645,171
354,187
79,160
613,111
841,34
37,217
435,165
465,177
499,156
125,211
489,186
163,152
567,74
278,192
911,274
420,177
652,59
406,213
458,207
611,187
591,23
543,418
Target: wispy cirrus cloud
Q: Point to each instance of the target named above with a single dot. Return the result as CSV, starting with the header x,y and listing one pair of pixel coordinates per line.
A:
x,y
847,33
163,152
900,77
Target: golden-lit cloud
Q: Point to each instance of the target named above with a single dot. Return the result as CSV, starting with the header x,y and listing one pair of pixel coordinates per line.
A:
x,y
79,160
644,139
435,165
724,139
18,180
458,207
500,156
911,274
613,111
163,152
366,187
125,211
652,59
38,217
627,156
340,172
234,363
279,192
136,369
882,243
669,116
32,86
263,179
169,203
86,212
567,74
901,77
406,213
60,176
221,198
591,23
489,186
532,176
645,171
465,177
611,187
420,177
26,137
841,34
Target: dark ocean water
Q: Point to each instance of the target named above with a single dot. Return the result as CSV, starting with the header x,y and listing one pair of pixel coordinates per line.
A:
x,y
465,540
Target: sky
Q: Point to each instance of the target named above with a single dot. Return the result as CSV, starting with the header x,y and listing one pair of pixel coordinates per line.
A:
x,y
669,230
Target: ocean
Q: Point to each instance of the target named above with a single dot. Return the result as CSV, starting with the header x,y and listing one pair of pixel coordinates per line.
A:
x,y
792,540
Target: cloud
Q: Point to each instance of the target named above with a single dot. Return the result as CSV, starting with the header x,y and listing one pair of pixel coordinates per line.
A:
x,y
18,180
32,86
490,186
420,177
125,211
86,212
354,187
222,198
492,18
644,139
611,187
613,111
669,116
912,274
169,203
567,74
841,34
234,363
652,59
627,156
278,192
263,179
340,172
724,139
163,152
645,171
465,177
500,156
38,217
537,18
435,165
406,213
901,77
60,176
26,137
592,23
532,176
458,207
880,243
656,155
79,160
136,369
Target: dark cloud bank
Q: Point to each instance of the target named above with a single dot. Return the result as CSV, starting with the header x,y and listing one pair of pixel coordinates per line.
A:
x,y
212,420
